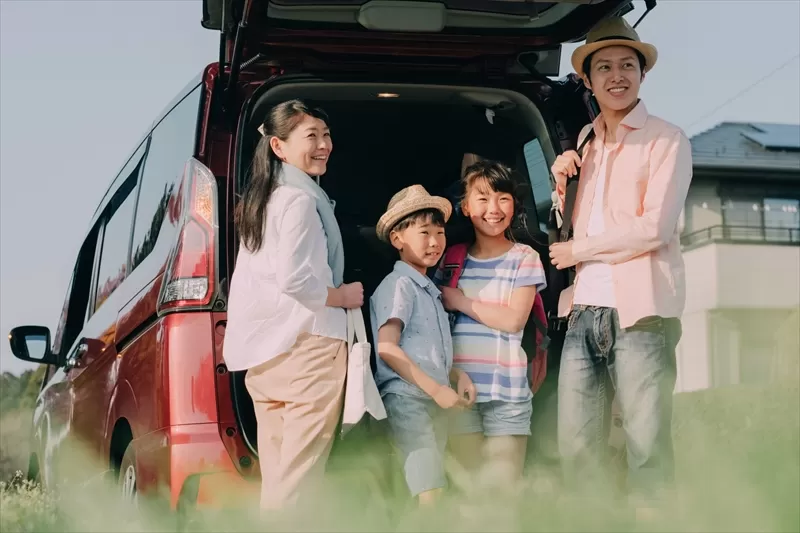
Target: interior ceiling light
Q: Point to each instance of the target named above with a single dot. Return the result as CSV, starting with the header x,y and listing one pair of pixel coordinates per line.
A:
x,y
388,95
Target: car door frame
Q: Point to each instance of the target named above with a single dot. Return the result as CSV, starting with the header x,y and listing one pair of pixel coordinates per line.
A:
x,y
93,360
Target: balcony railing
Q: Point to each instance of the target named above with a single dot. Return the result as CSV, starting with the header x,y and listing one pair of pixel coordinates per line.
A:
x,y
742,234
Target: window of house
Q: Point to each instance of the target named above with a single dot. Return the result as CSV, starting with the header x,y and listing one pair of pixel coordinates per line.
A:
x,y
172,143
742,218
759,217
782,219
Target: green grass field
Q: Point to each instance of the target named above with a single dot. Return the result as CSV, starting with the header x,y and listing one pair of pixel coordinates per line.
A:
x,y
738,469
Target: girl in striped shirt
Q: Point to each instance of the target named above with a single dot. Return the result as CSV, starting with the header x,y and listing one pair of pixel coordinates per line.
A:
x,y
492,304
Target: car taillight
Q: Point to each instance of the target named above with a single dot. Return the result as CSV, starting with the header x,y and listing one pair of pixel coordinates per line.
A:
x,y
190,273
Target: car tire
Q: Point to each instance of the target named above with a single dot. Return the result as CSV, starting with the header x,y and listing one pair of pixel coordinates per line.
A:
x,y
128,478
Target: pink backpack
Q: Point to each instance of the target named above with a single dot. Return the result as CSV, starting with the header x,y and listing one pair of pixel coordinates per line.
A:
x,y
454,259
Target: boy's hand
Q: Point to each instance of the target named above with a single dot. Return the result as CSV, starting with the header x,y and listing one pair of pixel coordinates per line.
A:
x,y
466,388
447,398
452,298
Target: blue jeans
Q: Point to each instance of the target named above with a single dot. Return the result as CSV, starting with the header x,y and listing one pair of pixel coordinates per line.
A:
x,y
419,432
639,363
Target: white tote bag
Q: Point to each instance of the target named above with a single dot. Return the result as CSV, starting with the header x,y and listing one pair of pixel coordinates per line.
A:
x,y
361,393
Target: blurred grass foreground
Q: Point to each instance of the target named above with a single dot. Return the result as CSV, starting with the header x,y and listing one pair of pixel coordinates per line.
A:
x,y
738,469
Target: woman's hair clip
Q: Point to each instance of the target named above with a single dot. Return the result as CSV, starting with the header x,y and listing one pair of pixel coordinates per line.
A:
x,y
262,131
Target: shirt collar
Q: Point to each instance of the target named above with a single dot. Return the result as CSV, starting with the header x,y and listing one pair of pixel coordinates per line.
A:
x,y
403,268
634,120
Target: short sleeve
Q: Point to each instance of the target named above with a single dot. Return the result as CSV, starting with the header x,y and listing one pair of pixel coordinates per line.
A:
x,y
394,301
530,270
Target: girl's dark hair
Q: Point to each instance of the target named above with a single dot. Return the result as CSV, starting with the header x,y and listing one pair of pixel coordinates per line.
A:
x,y
251,212
498,178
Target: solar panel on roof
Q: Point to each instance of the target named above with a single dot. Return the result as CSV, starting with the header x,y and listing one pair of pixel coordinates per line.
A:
x,y
775,136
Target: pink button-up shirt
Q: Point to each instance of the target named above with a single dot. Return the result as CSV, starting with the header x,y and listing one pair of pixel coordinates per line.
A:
x,y
647,179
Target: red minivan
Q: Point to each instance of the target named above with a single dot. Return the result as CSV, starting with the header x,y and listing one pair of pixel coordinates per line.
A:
x,y
136,378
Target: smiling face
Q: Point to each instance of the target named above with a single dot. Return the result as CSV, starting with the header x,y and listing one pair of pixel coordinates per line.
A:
x,y
420,239
490,211
307,147
615,76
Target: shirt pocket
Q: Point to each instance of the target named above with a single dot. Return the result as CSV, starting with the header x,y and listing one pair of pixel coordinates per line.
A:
x,y
627,187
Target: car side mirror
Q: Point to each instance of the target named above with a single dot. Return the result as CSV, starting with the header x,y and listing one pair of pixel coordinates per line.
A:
x,y
32,343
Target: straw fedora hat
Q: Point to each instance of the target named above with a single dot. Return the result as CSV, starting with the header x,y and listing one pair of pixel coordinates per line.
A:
x,y
613,31
410,200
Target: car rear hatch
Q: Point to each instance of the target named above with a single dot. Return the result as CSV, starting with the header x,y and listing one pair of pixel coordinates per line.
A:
x,y
404,30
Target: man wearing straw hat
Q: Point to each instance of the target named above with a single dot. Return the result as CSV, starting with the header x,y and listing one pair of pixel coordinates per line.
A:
x,y
629,293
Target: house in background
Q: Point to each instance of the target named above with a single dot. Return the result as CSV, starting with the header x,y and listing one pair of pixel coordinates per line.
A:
x,y
741,240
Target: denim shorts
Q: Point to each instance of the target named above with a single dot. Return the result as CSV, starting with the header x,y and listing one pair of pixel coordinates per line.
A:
x,y
419,432
494,418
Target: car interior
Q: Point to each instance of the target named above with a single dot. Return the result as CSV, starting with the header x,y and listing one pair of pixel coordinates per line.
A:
x,y
411,134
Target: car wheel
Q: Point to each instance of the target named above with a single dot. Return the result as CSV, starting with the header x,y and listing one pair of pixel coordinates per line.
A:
x,y
128,478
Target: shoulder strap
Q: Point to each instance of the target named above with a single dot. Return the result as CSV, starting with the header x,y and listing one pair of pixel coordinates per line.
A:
x,y
570,194
356,329
454,259
539,319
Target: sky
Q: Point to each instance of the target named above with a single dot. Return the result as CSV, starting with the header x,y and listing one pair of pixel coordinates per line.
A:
x,y
82,81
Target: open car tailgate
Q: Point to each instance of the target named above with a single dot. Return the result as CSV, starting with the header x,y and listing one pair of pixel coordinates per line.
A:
x,y
445,24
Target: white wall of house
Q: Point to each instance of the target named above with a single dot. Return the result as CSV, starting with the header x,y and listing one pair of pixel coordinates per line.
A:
x,y
693,353
742,276
738,299
701,278
753,276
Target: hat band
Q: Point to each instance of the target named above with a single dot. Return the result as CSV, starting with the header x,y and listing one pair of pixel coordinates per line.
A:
x,y
615,38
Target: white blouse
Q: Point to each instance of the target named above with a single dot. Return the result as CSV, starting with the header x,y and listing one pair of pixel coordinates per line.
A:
x,y
279,292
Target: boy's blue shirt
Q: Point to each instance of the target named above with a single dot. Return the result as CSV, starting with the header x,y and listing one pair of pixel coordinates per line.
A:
x,y
411,297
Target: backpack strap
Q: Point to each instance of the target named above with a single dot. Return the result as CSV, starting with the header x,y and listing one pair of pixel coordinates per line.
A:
x,y
541,328
453,264
570,194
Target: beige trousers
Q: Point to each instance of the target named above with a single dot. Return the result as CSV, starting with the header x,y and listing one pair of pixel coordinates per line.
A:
x,y
298,403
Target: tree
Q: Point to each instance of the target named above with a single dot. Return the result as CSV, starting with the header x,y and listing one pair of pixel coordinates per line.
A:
x,y
20,392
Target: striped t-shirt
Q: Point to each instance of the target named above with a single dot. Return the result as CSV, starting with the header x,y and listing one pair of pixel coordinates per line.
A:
x,y
494,360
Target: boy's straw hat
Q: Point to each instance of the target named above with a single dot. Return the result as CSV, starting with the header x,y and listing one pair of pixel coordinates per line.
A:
x,y
410,200
614,31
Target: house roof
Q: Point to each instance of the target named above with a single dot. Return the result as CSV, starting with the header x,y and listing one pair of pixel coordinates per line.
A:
x,y
748,145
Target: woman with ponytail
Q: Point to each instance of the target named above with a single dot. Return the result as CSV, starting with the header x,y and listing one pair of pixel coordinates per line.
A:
x,y
287,324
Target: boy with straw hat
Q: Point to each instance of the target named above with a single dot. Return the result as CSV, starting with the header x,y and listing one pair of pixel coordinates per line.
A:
x,y
412,332
629,292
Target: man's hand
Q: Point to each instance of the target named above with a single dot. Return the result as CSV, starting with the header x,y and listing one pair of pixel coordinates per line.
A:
x,y
447,398
453,299
561,255
565,166
466,388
